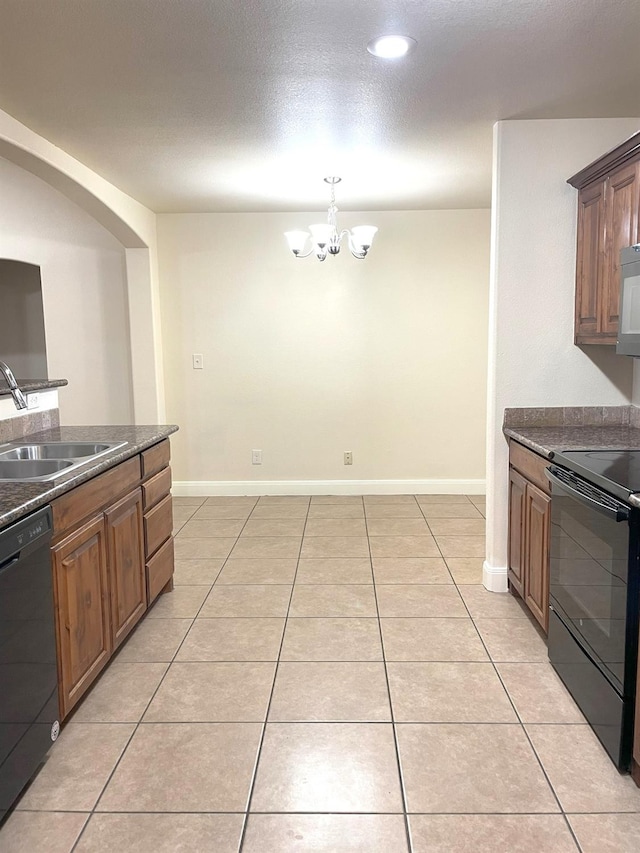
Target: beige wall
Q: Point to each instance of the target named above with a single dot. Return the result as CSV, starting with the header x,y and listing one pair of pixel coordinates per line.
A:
x,y
132,225
532,357
84,291
384,357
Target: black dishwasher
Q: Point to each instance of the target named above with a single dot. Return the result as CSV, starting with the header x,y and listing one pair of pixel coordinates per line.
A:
x,y
28,671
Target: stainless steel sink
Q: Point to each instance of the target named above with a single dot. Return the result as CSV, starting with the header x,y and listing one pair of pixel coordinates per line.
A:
x,y
56,450
47,460
33,469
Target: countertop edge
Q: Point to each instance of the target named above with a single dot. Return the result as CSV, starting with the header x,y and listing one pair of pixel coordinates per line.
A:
x,y
549,440
42,493
540,449
31,385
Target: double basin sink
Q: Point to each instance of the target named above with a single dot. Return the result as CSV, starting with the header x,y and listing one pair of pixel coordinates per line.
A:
x,y
41,461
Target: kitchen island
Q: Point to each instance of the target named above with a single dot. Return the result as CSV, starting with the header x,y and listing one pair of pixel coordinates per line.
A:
x,y
112,543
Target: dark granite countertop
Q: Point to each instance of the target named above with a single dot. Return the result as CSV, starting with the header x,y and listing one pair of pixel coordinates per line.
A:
x,y
547,440
18,499
29,385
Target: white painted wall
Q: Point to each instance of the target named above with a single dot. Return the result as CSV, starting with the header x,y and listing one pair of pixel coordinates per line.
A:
x,y
132,224
384,357
84,291
532,358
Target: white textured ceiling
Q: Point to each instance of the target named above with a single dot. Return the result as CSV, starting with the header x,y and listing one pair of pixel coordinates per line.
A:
x,y
203,105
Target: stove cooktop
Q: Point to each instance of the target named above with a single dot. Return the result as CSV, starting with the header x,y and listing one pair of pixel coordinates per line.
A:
x,y
617,471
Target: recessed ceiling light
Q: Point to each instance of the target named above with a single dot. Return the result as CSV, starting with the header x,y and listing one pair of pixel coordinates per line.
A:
x,y
391,47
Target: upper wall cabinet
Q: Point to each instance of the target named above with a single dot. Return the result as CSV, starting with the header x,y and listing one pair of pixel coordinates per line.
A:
x,y
608,220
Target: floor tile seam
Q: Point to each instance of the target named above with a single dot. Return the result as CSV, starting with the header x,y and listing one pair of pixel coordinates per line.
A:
x,y
442,557
518,717
331,616
103,789
528,737
137,725
396,745
321,812
397,722
347,660
254,773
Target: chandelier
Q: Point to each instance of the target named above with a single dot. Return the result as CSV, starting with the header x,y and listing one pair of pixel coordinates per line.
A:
x,y
325,237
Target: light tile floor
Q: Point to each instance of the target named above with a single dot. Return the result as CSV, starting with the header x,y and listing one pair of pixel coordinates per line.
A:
x,y
329,675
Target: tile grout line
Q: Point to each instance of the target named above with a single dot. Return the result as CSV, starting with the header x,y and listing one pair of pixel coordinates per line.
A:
x,y
153,695
519,719
522,726
403,793
254,774
527,736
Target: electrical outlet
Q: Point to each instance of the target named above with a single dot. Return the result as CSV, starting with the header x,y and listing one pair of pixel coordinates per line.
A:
x,y
348,457
33,401
256,457
198,361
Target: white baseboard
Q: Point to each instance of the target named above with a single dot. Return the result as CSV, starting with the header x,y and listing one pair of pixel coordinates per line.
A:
x,y
202,488
494,578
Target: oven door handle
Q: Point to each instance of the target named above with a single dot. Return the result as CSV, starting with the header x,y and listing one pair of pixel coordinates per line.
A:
x,y
620,513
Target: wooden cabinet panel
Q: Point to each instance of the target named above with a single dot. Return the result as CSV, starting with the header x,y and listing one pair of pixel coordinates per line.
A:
x,y
82,606
608,210
85,500
529,530
102,571
127,581
537,532
530,465
517,486
156,488
158,525
155,458
589,259
620,229
160,569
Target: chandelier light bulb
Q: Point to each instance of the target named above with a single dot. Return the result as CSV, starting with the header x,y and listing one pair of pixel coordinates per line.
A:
x,y
325,237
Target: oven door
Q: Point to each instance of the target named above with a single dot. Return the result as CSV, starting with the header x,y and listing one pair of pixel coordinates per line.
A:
x,y
592,550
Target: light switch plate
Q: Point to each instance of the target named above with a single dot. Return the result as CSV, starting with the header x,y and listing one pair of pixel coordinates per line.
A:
x,y
198,361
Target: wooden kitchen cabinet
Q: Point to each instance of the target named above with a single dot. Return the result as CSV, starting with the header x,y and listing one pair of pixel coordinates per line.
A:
x,y
81,590
127,579
102,565
537,521
608,220
157,519
529,530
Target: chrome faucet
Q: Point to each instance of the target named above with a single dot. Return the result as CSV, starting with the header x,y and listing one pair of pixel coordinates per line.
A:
x,y
18,397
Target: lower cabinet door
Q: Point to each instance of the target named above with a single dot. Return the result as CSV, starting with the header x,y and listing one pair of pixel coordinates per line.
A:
x,y
537,540
125,552
82,609
517,486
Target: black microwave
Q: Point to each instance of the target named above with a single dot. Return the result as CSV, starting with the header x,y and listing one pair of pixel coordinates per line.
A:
x,y
629,326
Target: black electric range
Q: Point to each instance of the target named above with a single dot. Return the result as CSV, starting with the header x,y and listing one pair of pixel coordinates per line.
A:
x,y
616,471
594,587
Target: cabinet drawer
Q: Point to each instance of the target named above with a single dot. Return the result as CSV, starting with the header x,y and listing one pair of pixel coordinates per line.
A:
x,y
155,458
530,465
94,495
156,488
158,525
160,569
